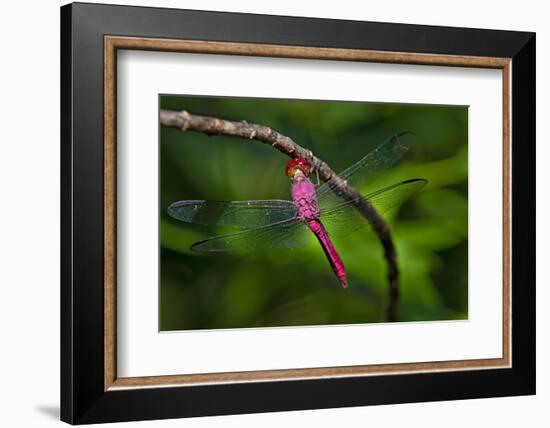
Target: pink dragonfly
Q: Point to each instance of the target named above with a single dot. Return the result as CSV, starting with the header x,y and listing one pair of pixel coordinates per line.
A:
x,y
285,224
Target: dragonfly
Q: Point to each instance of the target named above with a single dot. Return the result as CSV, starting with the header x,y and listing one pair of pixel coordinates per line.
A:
x,y
287,224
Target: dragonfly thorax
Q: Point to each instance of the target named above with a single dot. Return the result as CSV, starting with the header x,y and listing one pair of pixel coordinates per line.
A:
x,y
305,198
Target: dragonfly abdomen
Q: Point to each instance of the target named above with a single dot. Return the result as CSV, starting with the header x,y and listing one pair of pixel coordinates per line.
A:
x,y
332,255
305,200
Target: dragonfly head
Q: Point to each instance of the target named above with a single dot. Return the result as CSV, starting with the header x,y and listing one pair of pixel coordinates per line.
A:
x,y
297,165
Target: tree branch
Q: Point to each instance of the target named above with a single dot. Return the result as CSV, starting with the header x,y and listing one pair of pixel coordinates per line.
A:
x,y
214,126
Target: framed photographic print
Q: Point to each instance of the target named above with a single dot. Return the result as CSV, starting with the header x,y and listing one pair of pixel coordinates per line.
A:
x,y
266,213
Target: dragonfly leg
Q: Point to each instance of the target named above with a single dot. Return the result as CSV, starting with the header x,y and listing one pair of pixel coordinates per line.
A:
x,y
315,164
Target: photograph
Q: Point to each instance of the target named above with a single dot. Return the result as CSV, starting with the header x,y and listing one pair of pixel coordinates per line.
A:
x,y
251,238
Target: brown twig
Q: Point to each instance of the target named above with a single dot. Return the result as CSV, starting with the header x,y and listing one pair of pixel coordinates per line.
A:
x,y
214,126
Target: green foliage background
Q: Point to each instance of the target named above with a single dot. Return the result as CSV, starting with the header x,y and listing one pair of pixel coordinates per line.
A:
x,y
206,291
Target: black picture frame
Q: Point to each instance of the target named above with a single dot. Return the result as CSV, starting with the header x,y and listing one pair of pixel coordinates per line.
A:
x,y
83,396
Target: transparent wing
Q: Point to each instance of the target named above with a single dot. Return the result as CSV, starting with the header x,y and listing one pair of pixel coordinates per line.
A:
x,y
345,219
283,235
239,214
383,157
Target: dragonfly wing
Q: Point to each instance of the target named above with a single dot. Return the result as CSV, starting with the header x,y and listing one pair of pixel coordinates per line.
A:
x,y
283,235
239,214
345,218
383,157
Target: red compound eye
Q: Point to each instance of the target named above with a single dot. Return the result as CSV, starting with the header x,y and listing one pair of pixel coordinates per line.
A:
x,y
298,163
